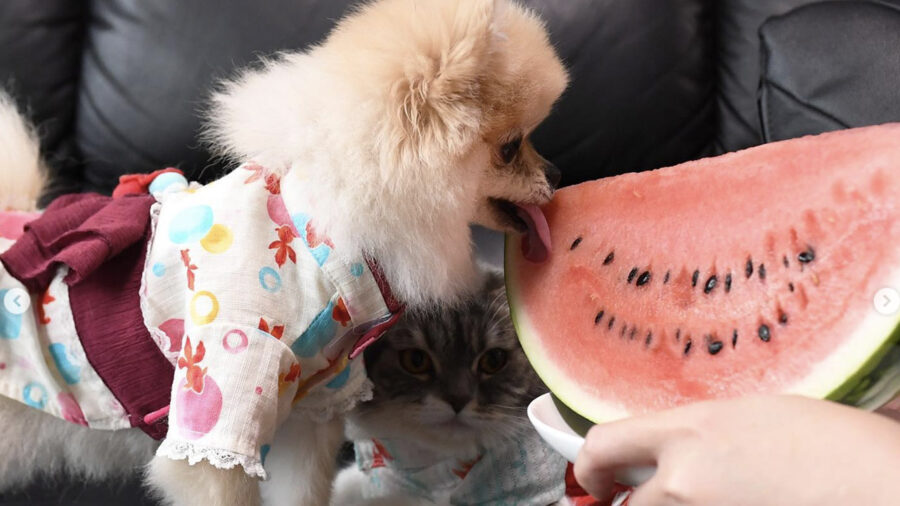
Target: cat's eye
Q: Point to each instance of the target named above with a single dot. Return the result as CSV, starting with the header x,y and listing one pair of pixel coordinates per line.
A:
x,y
509,150
415,361
493,360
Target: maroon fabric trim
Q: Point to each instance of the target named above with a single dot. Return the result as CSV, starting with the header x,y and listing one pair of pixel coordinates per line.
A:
x,y
373,334
81,231
107,310
103,242
392,304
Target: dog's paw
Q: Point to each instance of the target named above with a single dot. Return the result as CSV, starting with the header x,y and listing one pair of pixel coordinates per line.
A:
x,y
178,483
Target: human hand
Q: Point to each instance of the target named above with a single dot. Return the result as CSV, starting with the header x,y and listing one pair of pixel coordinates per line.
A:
x,y
767,450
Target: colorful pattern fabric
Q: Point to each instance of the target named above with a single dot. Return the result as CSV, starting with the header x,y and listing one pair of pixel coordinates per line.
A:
x,y
521,472
253,309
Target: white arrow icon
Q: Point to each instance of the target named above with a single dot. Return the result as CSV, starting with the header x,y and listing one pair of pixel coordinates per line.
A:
x,y
887,301
16,301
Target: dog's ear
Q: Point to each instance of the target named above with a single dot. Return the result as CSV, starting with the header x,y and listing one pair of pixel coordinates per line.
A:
x,y
436,101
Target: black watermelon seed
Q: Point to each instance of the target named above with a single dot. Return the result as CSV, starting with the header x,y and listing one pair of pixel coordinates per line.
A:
x,y
624,329
598,318
764,333
785,261
762,271
648,339
782,318
633,332
807,256
749,269
714,347
575,243
612,322
734,338
791,287
609,258
632,274
728,282
666,279
643,278
710,284
687,347
678,335
694,277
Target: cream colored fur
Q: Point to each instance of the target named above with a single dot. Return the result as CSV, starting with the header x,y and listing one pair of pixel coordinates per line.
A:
x,y
395,124
21,169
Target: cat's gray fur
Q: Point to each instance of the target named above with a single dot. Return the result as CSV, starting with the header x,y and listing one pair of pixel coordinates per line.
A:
x,y
492,406
455,409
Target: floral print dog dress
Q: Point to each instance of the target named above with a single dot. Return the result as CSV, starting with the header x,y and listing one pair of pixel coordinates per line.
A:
x,y
224,312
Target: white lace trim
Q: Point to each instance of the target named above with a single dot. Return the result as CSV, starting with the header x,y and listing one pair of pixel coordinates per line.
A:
x,y
337,406
220,459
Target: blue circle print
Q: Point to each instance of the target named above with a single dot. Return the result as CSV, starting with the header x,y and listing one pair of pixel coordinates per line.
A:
x,y
35,395
269,279
190,224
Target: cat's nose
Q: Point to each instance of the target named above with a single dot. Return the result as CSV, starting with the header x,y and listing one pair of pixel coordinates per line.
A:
x,y
457,402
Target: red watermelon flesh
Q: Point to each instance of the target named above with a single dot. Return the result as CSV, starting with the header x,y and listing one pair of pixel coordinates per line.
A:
x,y
746,273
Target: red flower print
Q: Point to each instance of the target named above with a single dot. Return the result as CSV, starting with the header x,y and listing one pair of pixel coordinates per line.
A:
x,y
283,250
277,331
194,375
313,239
186,260
294,373
340,313
465,467
198,403
42,315
285,379
380,455
273,184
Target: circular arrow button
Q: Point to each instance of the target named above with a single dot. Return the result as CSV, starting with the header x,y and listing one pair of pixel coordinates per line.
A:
x,y
887,301
16,301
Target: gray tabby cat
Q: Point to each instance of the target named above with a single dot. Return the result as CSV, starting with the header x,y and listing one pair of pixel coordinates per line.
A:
x,y
447,420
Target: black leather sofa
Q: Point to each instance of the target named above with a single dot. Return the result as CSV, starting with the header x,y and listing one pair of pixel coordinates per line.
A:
x,y
117,86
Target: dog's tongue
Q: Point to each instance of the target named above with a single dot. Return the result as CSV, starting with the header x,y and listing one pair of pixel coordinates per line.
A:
x,y
536,243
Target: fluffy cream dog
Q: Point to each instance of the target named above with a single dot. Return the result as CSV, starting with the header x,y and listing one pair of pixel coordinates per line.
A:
x,y
412,121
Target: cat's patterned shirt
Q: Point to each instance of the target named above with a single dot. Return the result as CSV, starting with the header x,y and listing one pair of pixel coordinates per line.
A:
x,y
521,471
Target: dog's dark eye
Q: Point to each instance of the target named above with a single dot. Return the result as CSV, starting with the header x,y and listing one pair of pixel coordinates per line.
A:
x,y
415,361
509,150
492,361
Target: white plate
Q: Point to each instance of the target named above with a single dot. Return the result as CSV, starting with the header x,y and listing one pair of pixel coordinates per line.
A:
x,y
554,430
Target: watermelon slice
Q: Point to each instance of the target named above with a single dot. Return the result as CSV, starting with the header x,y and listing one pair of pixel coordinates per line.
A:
x,y
747,273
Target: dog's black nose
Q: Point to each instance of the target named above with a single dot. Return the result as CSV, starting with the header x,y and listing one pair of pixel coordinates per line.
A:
x,y
552,173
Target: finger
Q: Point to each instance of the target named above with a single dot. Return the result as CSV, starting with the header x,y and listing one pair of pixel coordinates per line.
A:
x,y
597,482
630,442
609,447
649,494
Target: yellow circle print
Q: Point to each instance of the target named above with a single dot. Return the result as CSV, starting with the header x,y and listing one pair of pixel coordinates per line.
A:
x,y
204,308
218,239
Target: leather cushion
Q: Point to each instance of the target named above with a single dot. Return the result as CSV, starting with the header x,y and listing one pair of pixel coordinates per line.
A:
x,y
829,66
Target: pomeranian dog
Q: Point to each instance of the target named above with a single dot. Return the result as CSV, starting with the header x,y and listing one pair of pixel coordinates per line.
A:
x,y
409,123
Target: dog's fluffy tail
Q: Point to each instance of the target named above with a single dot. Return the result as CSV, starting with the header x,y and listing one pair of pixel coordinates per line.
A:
x,y
21,168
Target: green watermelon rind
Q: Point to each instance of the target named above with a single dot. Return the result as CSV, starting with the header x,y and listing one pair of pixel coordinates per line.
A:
x,y
874,383
883,365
